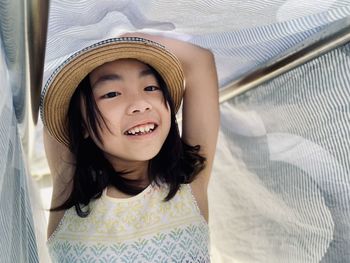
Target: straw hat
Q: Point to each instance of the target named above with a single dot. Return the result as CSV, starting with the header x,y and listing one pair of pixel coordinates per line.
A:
x,y
62,83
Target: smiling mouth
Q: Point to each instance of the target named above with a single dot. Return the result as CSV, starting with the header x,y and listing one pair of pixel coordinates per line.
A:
x,y
141,130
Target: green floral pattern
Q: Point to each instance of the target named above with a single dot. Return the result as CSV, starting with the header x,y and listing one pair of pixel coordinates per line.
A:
x,y
139,229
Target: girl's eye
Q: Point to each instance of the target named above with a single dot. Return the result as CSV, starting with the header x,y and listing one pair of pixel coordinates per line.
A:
x,y
152,88
111,94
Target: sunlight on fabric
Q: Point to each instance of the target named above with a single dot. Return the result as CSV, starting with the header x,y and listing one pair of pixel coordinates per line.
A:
x,y
288,181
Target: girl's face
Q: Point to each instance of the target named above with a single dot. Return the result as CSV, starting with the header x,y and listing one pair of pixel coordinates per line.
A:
x,y
132,104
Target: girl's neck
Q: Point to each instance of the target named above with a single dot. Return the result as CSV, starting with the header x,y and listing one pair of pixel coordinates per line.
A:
x,y
135,170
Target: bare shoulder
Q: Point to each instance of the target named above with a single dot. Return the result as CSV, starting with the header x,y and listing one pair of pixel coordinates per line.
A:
x,y
199,192
54,220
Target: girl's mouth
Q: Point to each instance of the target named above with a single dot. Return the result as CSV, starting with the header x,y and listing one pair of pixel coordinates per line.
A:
x,y
141,129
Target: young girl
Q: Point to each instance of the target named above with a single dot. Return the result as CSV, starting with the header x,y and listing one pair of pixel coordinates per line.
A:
x,y
126,186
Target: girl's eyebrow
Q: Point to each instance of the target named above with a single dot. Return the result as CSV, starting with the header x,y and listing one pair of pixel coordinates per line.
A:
x,y
107,77
146,72
114,76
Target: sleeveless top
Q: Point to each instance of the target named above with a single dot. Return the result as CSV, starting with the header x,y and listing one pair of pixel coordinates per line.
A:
x,y
142,228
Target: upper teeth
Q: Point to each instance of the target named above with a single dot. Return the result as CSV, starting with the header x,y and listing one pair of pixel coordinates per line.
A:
x,y
141,128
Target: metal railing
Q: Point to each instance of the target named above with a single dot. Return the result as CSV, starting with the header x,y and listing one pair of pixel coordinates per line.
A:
x,y
333,36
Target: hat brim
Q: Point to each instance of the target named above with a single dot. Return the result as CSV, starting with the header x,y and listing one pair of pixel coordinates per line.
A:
x,y
64,81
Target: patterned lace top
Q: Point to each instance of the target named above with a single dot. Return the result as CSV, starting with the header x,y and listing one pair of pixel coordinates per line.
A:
x,y
142,228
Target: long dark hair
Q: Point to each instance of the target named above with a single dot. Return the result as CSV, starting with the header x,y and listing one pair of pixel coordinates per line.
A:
x,y
175,164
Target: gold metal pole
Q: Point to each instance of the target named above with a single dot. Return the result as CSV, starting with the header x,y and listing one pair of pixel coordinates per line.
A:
x,y
334,36
23,29
37,14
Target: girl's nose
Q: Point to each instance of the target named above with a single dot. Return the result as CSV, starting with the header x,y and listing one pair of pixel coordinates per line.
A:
x,y
138,106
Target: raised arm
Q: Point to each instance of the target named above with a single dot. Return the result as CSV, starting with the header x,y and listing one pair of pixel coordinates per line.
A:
x,y
200,120
200,116
200,104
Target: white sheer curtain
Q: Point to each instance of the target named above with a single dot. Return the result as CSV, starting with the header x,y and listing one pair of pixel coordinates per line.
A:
x,y
283,165
18,241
